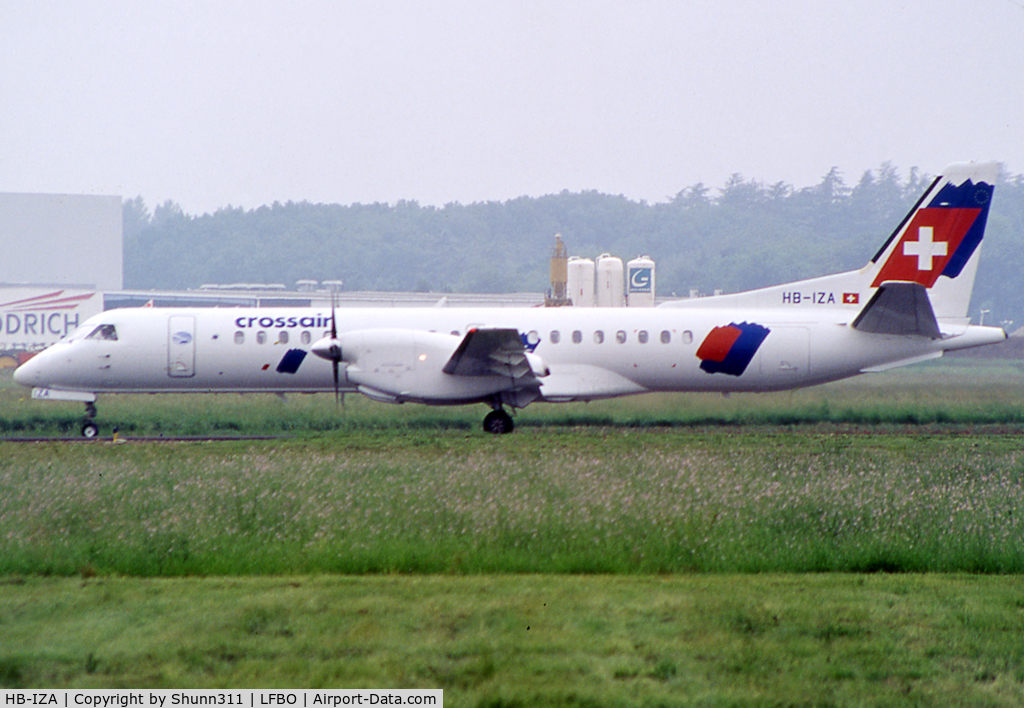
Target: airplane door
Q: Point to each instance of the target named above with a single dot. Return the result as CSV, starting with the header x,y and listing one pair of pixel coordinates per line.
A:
x,y
785,356
181,346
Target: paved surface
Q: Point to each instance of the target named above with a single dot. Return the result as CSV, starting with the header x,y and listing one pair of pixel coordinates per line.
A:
x,y
141,438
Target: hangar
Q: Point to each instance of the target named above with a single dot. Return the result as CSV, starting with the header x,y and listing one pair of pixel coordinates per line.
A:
x,y
58,253
62,239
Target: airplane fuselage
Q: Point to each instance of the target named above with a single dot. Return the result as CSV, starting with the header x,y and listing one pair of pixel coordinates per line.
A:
x,y
590,353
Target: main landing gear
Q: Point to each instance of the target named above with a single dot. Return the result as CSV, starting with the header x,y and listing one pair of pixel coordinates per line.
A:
x,y
89,428
498,422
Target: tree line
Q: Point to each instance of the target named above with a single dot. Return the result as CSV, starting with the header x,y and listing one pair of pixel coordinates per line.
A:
x,y
743,235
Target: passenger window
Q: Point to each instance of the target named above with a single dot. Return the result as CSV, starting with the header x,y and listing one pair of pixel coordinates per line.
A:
x,y
620,337
305,337
106,332
261,337
577,336
641,336
555,336
282,337
687,337
599,337
239,337
666,336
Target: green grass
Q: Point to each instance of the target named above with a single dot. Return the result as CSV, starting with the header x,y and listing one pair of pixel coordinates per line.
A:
x,y
655,551
588,500
641,485
526,640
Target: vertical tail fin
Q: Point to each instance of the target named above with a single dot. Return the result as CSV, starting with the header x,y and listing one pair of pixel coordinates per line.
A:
x,y
937,244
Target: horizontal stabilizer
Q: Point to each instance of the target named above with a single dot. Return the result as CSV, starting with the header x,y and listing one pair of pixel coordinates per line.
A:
x,y
899,308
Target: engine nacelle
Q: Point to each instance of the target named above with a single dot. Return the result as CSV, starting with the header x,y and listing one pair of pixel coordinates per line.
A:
x,y
407,365
537,365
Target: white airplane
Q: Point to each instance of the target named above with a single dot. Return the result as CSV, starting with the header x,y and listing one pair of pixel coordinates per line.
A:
x,y
907,305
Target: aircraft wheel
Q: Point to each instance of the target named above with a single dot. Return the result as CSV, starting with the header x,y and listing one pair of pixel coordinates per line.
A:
x,y
90,429
498,422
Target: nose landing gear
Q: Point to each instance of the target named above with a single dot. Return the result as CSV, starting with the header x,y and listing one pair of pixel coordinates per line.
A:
x,y
89,428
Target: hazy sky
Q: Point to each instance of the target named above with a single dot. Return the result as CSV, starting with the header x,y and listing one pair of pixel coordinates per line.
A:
x,y
245,103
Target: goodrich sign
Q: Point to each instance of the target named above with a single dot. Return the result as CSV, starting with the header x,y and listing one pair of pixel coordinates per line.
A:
x,y
34,317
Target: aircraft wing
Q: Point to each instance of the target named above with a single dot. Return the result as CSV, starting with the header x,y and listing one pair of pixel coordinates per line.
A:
x,y
489,352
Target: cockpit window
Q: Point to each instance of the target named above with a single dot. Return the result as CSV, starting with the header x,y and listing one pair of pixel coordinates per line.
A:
x,y
104,332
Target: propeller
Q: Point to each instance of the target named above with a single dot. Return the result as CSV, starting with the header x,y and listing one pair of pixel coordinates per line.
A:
x,y
329,348
335,355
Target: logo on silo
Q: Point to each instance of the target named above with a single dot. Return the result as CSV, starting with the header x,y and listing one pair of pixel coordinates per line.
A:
x,y
640,280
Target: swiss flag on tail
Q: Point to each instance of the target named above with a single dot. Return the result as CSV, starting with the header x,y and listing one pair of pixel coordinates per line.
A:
x,y
927,245
944,232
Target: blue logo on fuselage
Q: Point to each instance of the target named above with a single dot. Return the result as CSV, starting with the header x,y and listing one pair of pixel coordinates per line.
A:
x,y
530,340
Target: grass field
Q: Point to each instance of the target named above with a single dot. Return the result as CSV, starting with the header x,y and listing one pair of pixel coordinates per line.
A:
x,y
583,500
640,541
534,641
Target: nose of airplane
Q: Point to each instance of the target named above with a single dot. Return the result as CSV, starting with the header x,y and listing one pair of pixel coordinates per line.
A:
x,y
28,373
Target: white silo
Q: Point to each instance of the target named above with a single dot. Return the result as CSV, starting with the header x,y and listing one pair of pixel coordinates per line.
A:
x,y
580,288
610,285
640,282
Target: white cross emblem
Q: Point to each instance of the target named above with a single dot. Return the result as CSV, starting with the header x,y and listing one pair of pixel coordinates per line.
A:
x,y
925,248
